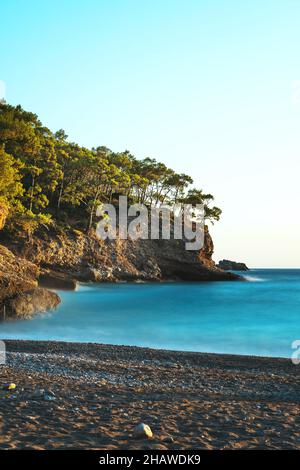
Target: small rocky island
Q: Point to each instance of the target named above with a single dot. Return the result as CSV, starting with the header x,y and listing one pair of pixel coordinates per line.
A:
x,y
228,265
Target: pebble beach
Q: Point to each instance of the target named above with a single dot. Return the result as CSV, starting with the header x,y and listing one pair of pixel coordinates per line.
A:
x,y
92,396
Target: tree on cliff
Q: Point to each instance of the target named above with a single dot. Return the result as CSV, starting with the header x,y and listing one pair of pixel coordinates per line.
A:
x,y
27,141
43,176
196,196
11,188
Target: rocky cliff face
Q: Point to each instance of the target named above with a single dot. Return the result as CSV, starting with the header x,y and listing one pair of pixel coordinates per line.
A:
x,y
86,258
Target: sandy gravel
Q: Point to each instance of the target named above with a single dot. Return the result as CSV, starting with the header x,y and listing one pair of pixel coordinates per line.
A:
x,y
86,396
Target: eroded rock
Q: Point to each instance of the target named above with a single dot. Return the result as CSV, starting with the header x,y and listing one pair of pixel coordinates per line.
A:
x,y
26,304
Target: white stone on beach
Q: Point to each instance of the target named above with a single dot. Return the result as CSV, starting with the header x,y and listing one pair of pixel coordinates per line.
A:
x,y
38,393
142,431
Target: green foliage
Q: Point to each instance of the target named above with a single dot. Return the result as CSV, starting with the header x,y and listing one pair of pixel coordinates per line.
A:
x,y
45,179
29,223
10,185
196,196
4,210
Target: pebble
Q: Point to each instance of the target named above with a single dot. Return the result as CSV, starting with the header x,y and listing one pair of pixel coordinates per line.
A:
x,y
49,398
168,439
142,431
38,393
43,394
10,386
158,447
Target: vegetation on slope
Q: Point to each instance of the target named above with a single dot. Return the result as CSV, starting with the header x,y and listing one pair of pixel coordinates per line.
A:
x,y
47,180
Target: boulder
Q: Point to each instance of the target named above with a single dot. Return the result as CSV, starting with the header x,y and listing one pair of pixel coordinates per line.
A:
x,y
25,304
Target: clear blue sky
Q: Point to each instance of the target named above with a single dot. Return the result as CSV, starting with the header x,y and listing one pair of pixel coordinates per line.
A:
x,y
205,86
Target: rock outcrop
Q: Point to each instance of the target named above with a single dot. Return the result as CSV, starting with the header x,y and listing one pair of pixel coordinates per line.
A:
x,y
20,296
56,280
16,274
228,265
86,258
25,304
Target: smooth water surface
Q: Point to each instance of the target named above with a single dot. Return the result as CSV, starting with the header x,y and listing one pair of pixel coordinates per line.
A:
x,y
258,317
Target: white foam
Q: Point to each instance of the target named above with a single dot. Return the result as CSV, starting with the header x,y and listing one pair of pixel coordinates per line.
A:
x,y
254,279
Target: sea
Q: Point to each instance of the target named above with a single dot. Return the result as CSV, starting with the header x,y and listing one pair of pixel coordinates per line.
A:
x,y
259,317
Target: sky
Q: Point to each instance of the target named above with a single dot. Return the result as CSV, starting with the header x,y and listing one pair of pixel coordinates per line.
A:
x,y
211,88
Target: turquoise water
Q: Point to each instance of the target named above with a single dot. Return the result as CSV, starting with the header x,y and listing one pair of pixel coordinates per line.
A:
x,y
259,317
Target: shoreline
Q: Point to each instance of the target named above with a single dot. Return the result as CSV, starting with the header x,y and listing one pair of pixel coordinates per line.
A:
x,y
35,345
190,400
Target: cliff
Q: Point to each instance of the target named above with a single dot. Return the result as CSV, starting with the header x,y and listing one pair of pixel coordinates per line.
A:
x,y
75,255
